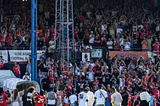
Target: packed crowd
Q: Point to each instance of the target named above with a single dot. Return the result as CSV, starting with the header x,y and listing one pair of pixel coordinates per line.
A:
x,y
117,25
126,25
127,77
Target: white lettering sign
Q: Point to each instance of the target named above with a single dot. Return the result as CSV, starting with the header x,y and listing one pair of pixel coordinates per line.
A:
x,y
4,54
22,55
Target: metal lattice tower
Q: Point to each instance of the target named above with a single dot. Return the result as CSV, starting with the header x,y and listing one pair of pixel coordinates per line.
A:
x,y
64,26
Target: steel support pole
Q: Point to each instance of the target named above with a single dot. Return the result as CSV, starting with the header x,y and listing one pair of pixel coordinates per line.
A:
x,y
34,39
68,40
1,12
73,39
55,26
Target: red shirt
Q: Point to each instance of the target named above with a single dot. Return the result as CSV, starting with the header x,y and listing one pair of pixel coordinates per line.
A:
x,y
156,46
40,100
3,99
149,34
51,79
47,39
76,32
2,40
145,26
96,68
9,40
130,100
57,35
69,87
96,83
129,83
142,34
156,93
151,85
16,69
81,18
1,63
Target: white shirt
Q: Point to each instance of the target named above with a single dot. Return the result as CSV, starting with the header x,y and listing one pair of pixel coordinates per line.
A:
x,y
100,96
116,99
91,76
103,27
119,30
82,73
121,40
72,98
110,44
112,31
26,77
66,100
127,45
90,98
91,39
82,98
158,27
52,102
145,96
99,17
89,14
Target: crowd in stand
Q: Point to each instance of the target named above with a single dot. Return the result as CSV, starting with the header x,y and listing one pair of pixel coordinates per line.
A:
x,y
122,26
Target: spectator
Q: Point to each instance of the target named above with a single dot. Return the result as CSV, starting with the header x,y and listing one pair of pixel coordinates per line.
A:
x,y
1,62
145,98
156,46
127,45
125,96
66,100
152,101
73,99
3,97
15,98
40,99
51,98
16,70
26,77
110,44
97,41
91,98
43,57
82,98
116,98
100,96
45,83
144,45
30,96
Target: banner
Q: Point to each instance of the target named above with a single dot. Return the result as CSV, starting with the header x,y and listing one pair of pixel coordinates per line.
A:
x,y
130,54
4,54
22,55
85,56
96,53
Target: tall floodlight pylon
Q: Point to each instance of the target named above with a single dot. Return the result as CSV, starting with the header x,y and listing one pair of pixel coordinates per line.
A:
x,y
64,28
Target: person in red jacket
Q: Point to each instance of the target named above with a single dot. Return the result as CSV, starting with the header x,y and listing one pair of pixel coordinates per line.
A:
x,y
40,99
16,70
1,62
3,97
156,92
